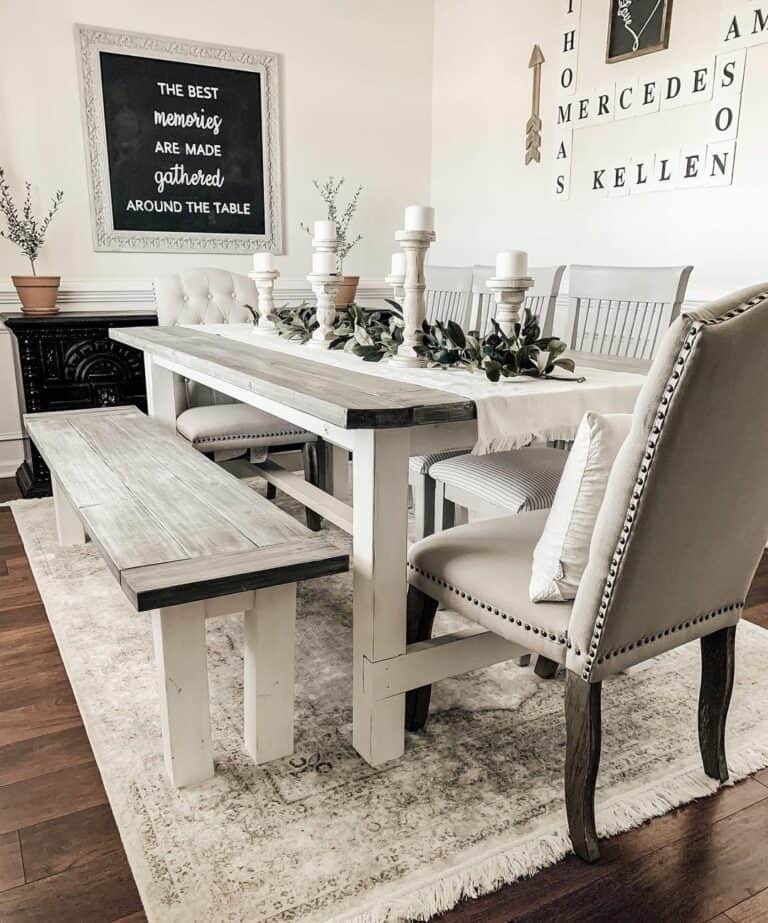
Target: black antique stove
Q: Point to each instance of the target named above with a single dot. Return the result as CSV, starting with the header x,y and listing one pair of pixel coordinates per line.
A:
x,y
66,362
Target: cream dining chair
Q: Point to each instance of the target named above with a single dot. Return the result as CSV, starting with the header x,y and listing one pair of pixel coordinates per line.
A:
x,y
670,561
540,300
211,421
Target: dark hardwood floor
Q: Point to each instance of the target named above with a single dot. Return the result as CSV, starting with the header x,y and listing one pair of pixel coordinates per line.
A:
x,y
61,859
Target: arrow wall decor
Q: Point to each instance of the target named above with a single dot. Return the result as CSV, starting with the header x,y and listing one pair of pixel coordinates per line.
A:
x,y
533,127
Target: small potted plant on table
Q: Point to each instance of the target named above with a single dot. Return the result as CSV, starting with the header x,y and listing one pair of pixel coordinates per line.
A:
x,y
37,293
329,191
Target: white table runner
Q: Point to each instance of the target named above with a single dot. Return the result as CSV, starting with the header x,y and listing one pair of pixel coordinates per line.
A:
x,y
511,413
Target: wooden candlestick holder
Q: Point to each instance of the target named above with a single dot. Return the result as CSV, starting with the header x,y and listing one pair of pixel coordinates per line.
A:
x,y
415,245
396,283
509,295
325,286
264,281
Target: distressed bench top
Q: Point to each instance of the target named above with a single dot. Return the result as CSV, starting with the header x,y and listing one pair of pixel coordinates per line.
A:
x,y
349,399
171,525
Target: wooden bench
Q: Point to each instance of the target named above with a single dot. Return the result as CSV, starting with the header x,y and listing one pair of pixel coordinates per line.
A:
x,y
186,540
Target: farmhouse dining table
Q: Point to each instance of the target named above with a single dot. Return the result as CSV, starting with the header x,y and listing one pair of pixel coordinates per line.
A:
x,y
383,414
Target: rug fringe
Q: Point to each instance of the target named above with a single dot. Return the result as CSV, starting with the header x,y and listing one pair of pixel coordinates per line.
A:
x,y
541,851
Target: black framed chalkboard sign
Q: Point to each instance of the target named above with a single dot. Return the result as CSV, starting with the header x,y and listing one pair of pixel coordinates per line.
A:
x,y
637,27
183,143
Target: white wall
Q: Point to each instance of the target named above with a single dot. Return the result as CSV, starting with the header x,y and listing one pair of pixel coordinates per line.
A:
x,y
355,82
356,94
486,199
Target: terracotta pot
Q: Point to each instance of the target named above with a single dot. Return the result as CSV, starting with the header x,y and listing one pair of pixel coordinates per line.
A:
x,y
345,294
37,294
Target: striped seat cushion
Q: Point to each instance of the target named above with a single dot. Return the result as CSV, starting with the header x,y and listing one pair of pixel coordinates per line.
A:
x,y
420,464
519,481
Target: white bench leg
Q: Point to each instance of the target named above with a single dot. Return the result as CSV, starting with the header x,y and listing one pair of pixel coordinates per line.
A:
x,y
68,525
269,656
180,649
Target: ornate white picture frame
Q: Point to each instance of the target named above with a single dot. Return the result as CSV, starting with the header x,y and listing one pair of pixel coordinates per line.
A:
x,y
91,41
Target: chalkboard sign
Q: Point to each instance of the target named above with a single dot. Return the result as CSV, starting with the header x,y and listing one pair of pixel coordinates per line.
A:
x,y
637,27
183,144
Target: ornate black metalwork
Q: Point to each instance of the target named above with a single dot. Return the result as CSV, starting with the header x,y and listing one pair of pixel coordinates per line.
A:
x,y
68,362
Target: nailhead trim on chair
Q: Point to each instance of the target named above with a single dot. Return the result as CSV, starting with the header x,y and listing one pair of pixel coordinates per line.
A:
x,y
289,432
686,351
630,645
550,636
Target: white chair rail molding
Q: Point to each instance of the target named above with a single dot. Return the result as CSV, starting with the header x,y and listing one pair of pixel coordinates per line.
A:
x,y
383,426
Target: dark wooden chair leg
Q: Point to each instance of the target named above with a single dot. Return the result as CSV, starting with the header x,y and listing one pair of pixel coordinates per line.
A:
x,y
545,668
310,458
421,618
717,667
271,491
582,760
523,660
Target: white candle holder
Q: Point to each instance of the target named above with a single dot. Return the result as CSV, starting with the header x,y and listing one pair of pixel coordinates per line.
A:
x,y
415,245
396,283
265,287
325,286
509,295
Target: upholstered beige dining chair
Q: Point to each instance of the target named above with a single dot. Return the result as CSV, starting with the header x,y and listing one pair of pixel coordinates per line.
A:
x,y
678,538
213,422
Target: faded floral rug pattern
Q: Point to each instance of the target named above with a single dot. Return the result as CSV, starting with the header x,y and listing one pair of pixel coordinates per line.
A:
x,y
476,800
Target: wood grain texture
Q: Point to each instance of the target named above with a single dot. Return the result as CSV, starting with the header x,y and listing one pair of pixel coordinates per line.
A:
x,y
171,525
155,586
74,839
752,910
718,657
352,400
582,761
11,866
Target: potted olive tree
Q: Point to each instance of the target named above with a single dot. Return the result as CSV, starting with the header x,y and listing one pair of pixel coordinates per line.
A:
x,y
329,191
36,293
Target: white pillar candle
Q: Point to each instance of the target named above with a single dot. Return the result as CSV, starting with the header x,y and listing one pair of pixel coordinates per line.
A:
x,y
512,264
325,230
324,264
398,264
419,218
263,262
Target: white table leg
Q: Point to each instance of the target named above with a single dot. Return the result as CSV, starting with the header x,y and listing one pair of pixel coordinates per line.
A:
x,y
380,516
165,392
179,635
270,632
68,525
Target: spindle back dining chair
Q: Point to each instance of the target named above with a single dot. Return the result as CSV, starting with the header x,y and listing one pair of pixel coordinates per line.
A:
x,y
542,300
623,311
670,559
448,295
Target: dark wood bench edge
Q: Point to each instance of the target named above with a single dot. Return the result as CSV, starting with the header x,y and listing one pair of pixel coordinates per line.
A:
x,y
148,587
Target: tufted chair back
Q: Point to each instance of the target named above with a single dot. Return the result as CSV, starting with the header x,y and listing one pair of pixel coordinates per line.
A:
x,y
685,516
204,296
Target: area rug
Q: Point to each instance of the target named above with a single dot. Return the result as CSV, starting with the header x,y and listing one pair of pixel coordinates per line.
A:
x,y
476,801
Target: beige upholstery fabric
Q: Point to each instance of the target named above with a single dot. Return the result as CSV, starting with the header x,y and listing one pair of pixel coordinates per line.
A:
x,y
685,516
215,421
482,570
204,296
236,426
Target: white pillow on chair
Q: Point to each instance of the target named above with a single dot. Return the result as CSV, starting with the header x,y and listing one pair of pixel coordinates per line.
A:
x,y
561,555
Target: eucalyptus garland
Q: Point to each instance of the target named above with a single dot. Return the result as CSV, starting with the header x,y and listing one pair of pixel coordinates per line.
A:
x,y
375,334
